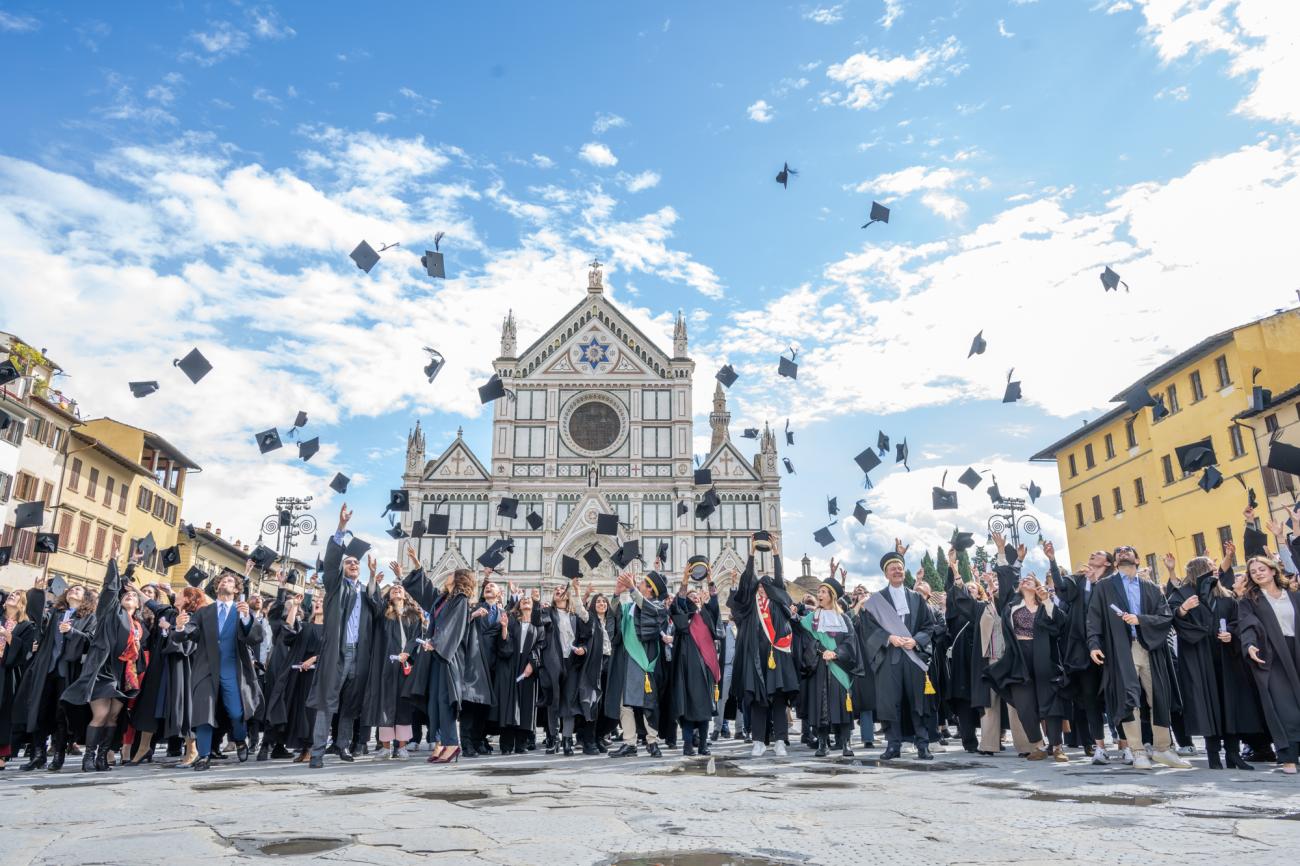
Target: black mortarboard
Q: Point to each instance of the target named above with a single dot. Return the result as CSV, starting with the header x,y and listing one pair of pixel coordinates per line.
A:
x,y
435,364
396,532
1284,458
195,576
356,548
47,542
1255,542
301,419
607,524
171,556
1012,393
787,367
707,505
1159,410
1196,455
58,586
882,443
418,529
398,500
6,419
268,440
1034,492
682,508
867,460
193,365
1251,500
1260,398
592,557
749,433
142,389
437,524
263,557
534,520
698,567
308,449
28,514
703,477
570,567
962,540
783,176
432,261
340,483
1138,397
860,511
789,467
823,536
1211,479
495,389
6,553
995,495
8,372
727,376
901,455
789,434
146,545
1111,282
189,530
630,550
492,557
661,553
508,507
365,256
970,478
978,345
943,499
879,214
832,506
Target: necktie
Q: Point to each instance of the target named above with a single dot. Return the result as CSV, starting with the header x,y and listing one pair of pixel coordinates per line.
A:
x,y
221,619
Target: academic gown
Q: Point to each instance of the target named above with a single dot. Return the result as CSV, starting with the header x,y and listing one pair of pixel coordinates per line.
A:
x,y
13,666
279,672
28,707
891,665
480,649
448,632
961,646
1047,673
828,702
514,703
974,673
149,710
385,704
1278,678
694,685
1107,632
864,679
761,672
555,681
1239,703
1194,665
626,684
589,667
304,641
327,687
102,673
200,640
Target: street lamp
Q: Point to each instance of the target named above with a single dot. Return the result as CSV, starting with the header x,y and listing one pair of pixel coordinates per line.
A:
x,y
1012,523
290,520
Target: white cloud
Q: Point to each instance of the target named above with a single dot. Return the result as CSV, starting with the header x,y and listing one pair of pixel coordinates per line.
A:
x,y
871,76
261,94
1003,31
266,24
91,33
825,14
1178,94
760,112
383,116
934,183
1119,6
422,105
597,154
893,9
542,161
643,181
11,23
605,122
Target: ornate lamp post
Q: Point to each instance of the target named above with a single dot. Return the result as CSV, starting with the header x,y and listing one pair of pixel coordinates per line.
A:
x,y
1012,523
290,520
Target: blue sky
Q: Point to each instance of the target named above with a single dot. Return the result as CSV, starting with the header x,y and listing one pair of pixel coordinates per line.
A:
x,y
197,176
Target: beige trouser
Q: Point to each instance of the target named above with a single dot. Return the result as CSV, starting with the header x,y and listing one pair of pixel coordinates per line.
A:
x,y
1133,727
991,728
627,721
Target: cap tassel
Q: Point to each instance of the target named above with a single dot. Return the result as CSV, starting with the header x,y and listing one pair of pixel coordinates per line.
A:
x,y
848,703
648,690
771,660
717,694
929,686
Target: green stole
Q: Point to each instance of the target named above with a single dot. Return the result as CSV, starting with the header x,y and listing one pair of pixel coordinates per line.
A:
x,y
827,643
633,644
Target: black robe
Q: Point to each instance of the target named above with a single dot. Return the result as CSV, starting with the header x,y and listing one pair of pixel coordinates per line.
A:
x,y
304,641
13,665
28,706
514,703
589,667
864,679
480,652
761,672
891,665
150,710
555,681
694,687
974,673
385,704
827,702
1107,632
1239,703
649,620
327,691
279,671
1194,664
1278,678
102,674
1046,672
448,631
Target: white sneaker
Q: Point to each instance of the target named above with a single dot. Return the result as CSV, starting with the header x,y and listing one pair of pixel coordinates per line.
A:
x,y
1126,756
780,749
938,747
401,754
1170,759
1099,757
1187,750
383,754
758,751
1141,761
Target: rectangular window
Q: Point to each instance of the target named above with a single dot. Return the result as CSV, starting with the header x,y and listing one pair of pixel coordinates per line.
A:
x,y
1221,367
562,512
65,529
526,506
1088,459
530,441
1119,500
109,483
1130,433
1078,514
101,536
1198,392
47,491
650,549
27,488
656,442
1276,483
1270,422
169,514
74,476
145,500
708,546
1096,508
83,537
1198,543
92,484
530,405
527,556
1171,399
1153,567
1225,536
121,497
656,515
159,504
1140,490
34,428
656,406
6,486
116,546
1110,446
1167,463
13,434
1234,437
1074,470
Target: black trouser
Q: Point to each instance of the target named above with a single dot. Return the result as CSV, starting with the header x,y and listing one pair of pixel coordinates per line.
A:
x,y
1025,698
1178,724
968,724
893,731
774,712
694,734
1088,705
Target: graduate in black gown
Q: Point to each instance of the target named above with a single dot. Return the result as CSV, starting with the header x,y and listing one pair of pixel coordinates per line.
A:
x,y
593,648
1195,628
557,688
634,683
399,627
1030,673
835,661
480,658
149,713
304,641
698,670
1083,675
17,635
514,683
1270,612
1240,713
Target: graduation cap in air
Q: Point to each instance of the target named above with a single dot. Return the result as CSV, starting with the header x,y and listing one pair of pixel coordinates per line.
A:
x,y
970,478
1260,398
6,419
789,434
418,529
396,532
727,376
437,524
783,176
698,567
592,557
171,556
879,214
195,576
978,345
58,586
1034,492
8,372
508,507
28,514
356,548
569,567
364,256
867,460
6,553
901,455
308,449
340,483
787,367
1211,479
707,505
496,553
435,365
398,500
749,433
495,389
661,553
193,365
832,506
823,536
47,542
961,540
1138,397
142,389
1012,393
190,531
703,477
300,420
146,545
1111,282
882,443
432,259
682,509
860,511
264,557
268,440
943,499
1196,455
534,520
630,550
789,467
1284,458
995,495
1255,542
607,524
1159,410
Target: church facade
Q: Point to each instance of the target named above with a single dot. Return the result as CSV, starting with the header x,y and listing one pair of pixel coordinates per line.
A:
x,y
599,419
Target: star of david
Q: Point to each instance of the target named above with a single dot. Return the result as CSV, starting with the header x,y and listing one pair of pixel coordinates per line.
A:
x,y
594,353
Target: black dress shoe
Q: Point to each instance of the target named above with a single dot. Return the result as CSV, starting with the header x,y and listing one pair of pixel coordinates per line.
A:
x,y
279,753
892,751
846,752
624,751
704,748
202,764
1236,763
653,750
589,748
241,752
316,762
923,752
345,755
264,753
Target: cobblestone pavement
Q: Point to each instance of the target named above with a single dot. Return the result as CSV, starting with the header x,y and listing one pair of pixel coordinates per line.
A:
x,y
538,809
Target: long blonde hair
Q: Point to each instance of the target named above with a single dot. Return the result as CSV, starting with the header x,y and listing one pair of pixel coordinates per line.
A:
x,y
21,596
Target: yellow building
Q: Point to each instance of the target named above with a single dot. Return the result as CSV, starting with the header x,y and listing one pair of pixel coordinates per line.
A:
x,y
93,514
156,502
1120,478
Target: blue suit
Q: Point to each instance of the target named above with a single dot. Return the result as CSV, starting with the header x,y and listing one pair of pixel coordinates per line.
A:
x,y
227,649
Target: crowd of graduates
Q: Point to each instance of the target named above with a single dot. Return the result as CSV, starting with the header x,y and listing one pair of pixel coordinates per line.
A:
x,y
1097,663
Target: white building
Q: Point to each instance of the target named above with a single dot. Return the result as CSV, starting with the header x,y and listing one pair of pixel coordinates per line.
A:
x,y
600,422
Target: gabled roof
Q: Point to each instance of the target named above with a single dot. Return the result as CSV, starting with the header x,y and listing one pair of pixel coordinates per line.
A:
x,y
431,469
727,447
640,344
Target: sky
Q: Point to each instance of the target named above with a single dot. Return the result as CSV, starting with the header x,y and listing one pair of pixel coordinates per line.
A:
x,y
197,175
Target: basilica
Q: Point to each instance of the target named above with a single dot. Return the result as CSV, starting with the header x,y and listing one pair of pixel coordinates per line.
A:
x,y
599,420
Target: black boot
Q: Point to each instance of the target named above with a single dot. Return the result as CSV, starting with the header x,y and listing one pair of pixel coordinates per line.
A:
x,y
1232,749
60,752
279,753
568,746
823,746
37,760
102,748
624,751
923,752
93,737
1212,753
264,753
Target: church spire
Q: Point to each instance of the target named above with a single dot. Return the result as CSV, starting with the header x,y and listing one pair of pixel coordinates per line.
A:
x,y
719,418
415,450
679,337
509,343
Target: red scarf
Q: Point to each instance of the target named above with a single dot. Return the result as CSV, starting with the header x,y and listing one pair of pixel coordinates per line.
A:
x,y
769,627
130,654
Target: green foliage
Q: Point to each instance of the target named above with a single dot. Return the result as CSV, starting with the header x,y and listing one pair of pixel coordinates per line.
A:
x,y
963,566
908,580
980,560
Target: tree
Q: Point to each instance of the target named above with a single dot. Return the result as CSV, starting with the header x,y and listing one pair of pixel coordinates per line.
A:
x,y
963,566
908,580
928,572
981,559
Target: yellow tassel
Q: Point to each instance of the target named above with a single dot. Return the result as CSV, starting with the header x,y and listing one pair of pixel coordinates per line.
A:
x,y
848,703
771,661
717,693
648,689
929,686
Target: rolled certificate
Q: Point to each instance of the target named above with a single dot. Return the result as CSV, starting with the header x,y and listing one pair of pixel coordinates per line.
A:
x,y
1223,625
1115,608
